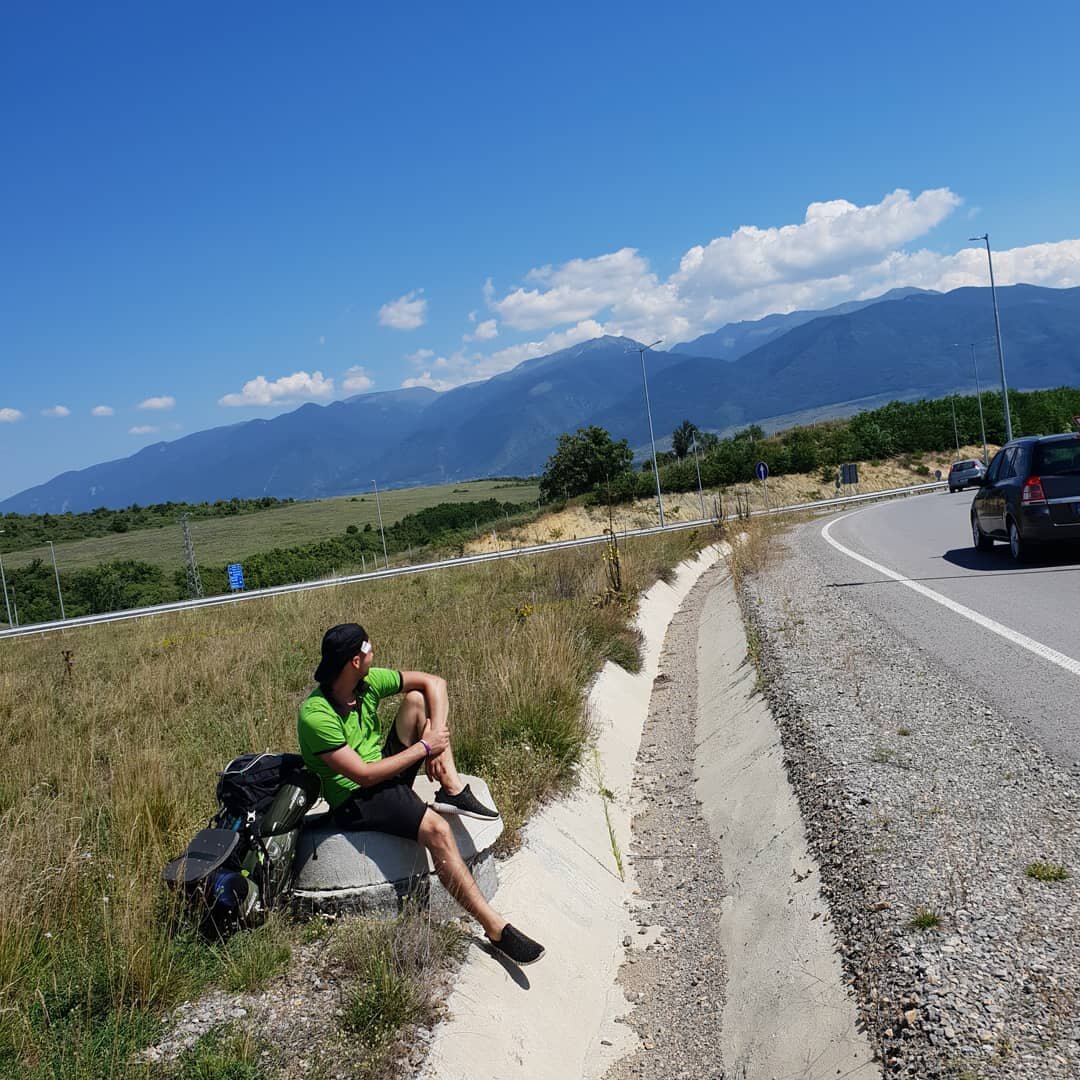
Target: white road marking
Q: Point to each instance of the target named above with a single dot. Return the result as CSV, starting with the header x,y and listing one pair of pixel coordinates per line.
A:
x,y
1014,636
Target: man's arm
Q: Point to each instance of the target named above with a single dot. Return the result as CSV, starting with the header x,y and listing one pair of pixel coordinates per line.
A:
x,y
347,762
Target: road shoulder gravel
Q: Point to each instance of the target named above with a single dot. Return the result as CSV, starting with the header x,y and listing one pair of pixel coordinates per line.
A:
x,y
926,810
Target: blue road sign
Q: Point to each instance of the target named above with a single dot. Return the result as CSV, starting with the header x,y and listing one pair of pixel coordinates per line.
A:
x,y
762,470
236,576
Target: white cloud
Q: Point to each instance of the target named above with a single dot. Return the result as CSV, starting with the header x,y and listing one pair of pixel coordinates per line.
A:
x,y
101,410
357,380
300,386
9,416
56,411
576,290
158,403
513,355
142,429
462,367
429,380
835,237
484,331
407,312
839,251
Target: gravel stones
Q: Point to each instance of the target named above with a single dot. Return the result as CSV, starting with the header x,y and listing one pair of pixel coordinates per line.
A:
x,y
673,973
920,801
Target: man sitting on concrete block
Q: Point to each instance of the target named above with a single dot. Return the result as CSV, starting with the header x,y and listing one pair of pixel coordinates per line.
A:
x,y
369,786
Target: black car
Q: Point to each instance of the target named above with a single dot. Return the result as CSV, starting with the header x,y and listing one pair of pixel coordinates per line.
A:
x,y
1030,495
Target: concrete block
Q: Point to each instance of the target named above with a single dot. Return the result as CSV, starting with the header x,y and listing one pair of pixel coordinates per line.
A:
x,y
372,873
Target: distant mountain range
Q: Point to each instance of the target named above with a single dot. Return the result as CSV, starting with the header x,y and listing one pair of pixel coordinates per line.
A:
x,y
737,339
906,344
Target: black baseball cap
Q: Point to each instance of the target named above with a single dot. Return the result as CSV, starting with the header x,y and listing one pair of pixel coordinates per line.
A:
x,y
339,645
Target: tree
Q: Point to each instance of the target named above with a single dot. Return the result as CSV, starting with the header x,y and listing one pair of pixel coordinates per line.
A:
x,y
583,460
682,439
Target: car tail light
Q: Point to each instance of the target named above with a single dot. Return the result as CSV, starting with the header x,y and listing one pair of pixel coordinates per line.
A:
x,y
1033,492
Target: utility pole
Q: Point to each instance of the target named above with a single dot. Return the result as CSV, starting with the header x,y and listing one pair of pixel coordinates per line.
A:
x,y
642,350
193,583
978,394
955,431
7,602
697,466
59,594
382,531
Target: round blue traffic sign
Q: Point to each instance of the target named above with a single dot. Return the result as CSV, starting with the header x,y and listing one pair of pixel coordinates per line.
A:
x,y
762,470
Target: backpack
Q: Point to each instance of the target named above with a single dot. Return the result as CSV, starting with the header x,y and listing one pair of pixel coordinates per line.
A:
x,y
236,870
247,785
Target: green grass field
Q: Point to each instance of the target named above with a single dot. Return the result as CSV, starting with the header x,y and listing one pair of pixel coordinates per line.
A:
x,y
231,539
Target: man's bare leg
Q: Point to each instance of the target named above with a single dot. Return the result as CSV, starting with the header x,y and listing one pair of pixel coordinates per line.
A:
x,y
436,835
411,720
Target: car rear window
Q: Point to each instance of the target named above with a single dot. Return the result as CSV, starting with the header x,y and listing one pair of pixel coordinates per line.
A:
x,y
963,466
1057,457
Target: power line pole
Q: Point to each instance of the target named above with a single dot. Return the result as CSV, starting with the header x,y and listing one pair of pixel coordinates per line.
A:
x,y
3,579
7,602
642,350
697,465
193,583
59,594
382,531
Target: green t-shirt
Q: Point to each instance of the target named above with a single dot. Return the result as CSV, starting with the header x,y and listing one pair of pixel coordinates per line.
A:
x,y
320,729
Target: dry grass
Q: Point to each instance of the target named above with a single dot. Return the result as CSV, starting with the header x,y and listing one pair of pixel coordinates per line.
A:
x,y
107,772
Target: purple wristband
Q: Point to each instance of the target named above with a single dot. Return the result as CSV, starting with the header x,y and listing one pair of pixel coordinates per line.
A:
x,y
427,747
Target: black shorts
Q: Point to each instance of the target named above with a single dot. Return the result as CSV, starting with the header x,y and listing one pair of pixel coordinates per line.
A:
x,y
390,807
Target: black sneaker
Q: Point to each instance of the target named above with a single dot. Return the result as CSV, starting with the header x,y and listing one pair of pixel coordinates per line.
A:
x,y
519,948
464,803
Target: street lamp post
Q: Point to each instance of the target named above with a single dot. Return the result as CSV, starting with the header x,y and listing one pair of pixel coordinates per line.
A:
x,y
697,466
978,395
997,330
382,531
642,350
978,398
955,430
59,594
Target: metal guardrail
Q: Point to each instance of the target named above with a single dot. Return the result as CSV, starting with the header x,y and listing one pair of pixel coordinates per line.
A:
x,y
421,568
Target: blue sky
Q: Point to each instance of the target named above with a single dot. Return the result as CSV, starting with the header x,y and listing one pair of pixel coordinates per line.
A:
x,y
211,213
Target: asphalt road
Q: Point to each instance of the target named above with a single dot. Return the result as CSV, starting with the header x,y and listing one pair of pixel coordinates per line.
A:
x,y
1017,609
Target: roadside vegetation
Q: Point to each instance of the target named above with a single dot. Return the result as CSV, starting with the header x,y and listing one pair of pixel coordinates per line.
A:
x,y
591,462
115,586
223,527
114,735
